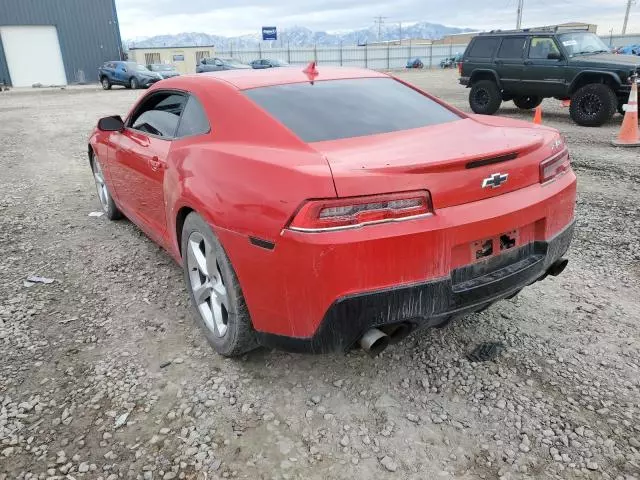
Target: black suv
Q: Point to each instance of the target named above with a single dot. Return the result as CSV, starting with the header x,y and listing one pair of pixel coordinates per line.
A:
x,y
527,66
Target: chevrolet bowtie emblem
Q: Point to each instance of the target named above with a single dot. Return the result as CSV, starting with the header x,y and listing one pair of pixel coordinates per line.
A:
x,y
495,180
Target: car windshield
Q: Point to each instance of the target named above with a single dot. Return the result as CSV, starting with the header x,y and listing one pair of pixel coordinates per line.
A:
x,y
336,109
582,43
162,68
137,66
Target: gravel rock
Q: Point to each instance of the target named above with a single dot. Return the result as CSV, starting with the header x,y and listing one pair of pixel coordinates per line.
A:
x,y
388,463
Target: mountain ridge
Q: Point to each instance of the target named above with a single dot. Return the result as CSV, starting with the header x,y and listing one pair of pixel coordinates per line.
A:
x,y
301,37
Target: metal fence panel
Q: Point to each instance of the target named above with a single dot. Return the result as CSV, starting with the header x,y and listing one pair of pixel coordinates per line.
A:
x,y
377,57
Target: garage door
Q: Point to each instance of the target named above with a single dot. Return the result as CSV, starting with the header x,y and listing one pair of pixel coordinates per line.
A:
x,y
33,55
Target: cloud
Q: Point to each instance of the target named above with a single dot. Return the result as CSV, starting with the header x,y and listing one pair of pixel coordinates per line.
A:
x,y
239,17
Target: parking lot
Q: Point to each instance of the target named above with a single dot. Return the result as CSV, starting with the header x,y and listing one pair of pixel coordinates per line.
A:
x,y
104,374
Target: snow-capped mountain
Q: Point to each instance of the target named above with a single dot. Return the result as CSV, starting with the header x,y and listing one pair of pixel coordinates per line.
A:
x,y
301,36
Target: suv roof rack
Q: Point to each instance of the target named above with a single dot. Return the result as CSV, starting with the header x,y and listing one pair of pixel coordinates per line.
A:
x,y
557,28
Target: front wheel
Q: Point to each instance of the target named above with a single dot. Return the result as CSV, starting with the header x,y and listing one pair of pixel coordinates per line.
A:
x,y
106,84
215,293
133,83
485,97
109,207
527,102
593,105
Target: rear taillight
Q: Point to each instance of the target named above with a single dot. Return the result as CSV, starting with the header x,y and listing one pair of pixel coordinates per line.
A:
x,y
460,67
555,166
354,212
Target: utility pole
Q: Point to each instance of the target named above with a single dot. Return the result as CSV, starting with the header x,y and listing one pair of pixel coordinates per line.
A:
x,y
379,20
400,27
626,16
519,17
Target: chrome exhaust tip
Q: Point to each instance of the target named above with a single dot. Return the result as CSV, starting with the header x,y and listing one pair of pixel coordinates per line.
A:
x,y
397,332
374,342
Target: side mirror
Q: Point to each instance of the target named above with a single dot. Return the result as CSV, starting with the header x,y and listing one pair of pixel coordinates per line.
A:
x,y
554,56
111,124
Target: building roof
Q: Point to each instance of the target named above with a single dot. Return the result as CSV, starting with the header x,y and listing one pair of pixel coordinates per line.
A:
x,y
248,78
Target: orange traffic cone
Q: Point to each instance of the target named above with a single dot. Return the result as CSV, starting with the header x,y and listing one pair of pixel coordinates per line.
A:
x,y
566,103
537,118
629,135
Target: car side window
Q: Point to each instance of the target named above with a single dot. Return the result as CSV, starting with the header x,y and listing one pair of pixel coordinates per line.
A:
x,y
159,114
218,62
512,47
194,120
483,47
541,47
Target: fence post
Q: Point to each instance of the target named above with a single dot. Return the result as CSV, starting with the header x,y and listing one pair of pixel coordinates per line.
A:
x,y
315,52
388,51
259,50
288,52
430,56
340,53
366,55
409,48
451,50
231,49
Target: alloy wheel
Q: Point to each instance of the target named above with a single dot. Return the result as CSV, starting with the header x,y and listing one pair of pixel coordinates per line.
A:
x,y
207,284
482,97
101,186
590,105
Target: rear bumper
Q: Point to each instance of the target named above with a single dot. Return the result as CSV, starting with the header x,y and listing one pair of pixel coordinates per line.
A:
x,y
468,289
365,277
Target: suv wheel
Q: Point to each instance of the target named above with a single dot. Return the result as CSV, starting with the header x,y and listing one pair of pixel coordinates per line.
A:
x,y
485,97
593,105
106,84
527,102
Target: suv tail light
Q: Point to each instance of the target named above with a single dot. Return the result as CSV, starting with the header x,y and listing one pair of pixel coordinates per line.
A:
x,y
555,166
460,67
354,212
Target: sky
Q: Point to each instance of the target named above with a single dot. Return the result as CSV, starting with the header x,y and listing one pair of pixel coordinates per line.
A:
x,y
143,18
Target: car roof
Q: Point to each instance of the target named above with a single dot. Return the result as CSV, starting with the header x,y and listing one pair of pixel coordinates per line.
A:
x,y
527,31
246,79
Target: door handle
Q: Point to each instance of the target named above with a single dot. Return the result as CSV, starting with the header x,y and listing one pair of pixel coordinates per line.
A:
x,y
499,62
528,62
155,164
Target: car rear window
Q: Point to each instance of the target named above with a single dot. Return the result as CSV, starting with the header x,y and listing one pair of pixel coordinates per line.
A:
x,y
336,109
483,47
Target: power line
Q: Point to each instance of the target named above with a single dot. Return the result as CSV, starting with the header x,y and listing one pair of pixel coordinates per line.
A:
x,y
626,15
379,20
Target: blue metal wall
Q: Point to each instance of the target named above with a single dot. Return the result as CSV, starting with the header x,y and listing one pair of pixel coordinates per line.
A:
x,y
88,32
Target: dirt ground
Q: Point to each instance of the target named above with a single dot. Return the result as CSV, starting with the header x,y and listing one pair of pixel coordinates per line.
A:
x,y
104,374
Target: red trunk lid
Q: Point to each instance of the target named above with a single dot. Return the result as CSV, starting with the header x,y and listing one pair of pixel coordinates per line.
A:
x,y
451,160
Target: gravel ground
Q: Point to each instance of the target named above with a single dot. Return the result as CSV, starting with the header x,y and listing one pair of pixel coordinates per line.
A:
x,y
104,374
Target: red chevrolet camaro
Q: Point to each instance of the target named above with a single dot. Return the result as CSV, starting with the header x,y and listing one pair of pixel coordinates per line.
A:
x,y
321,209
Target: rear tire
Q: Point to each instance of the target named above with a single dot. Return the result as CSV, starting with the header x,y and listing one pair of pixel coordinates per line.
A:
x,y
215,293
527,102
593,105
133,83
485,97
106,84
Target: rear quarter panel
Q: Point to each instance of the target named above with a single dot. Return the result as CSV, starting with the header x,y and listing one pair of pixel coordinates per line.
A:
x,y
248,175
